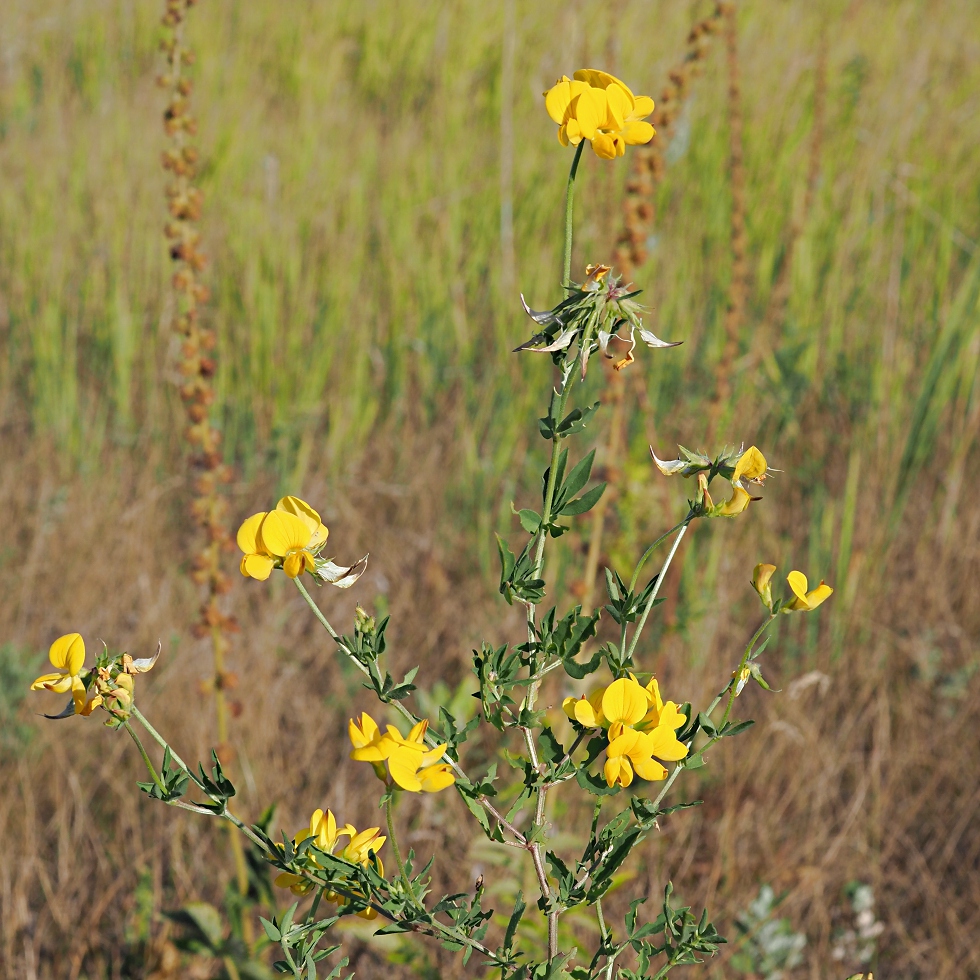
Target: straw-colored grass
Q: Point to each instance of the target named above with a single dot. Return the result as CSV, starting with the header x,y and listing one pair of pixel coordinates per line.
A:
x,y
353,155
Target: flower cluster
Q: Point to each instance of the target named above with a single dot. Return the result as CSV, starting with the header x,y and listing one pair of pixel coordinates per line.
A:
x,y
291,537
641,728
600,108
596,310
741,468
110,685
411,763
325,835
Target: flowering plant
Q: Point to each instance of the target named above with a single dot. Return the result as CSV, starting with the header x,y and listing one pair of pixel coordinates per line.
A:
x,y
616,743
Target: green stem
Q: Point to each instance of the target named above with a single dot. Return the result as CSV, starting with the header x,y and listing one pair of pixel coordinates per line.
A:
x,y
569,213
656,544
146,759
164,744
389,817
656,589
733,684
603,931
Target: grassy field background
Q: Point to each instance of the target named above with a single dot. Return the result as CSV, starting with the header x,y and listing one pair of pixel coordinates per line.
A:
x,y
358,159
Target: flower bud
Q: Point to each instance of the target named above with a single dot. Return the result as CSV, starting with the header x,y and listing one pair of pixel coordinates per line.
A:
x,y
761,582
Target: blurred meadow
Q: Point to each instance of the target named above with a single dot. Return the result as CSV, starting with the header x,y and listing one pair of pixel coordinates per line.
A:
x,y
380,182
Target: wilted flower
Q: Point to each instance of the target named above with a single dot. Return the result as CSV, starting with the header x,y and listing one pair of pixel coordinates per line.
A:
x,y
597,106
595,311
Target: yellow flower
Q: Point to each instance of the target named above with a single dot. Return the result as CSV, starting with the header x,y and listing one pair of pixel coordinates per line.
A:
x,y
600,108
633,752
587,711
751,467
411,764
67,653
289,536
624,704
761,576
323,828
806,600
360,846
625,112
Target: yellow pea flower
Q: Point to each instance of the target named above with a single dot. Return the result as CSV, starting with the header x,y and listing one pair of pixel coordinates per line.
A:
x,y
67,653
289,536
587,711
597,106
630,753
761,582
411,764
625,112
633,752
806,600
751,466
361,844
624,704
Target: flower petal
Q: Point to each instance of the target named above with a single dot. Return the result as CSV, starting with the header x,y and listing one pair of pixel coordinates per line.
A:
x,y
649,769
403,766
820,594
624,701
68,652
637,133
52,682
618,106
436,778
248,533
663,743
603,80
294,563
604,146
556,99
798,583
257,567
642,107
750,466
282,533
589,110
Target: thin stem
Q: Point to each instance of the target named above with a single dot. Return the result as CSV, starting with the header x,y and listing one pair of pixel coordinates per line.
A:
x,y
656,544
389,817
733,684
569,213
656,589
603,931
146,759
164,744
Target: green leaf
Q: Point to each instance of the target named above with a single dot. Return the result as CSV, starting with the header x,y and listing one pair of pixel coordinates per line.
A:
x,y
515,919
270,930
579,475
530,520
585,503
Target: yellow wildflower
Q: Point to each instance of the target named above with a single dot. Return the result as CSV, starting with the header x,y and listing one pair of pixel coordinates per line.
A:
x,y
323,827
761,576
624,704
751,467
587,711
633,752
412,765
806,600
289,536
67,653
597,106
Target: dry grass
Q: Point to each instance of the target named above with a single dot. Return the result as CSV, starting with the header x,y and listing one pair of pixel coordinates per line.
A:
x,y
864,393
